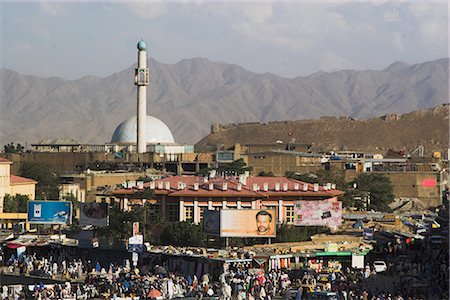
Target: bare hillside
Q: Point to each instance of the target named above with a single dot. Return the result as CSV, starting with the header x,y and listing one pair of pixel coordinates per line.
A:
x,y
194,93
429,128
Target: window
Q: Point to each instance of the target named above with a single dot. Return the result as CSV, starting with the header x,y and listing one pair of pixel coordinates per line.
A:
x,y
201,209
188,215
172,212
154,211
289,217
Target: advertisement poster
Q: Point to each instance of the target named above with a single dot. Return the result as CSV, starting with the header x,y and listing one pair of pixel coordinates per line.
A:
x,y
93,213
247,223
318,213
211,222
49,212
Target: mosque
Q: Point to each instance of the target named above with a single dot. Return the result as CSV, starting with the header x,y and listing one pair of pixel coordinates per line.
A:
x,y
138,134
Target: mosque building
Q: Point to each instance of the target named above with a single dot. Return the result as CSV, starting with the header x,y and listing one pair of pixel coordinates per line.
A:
x,y
140,134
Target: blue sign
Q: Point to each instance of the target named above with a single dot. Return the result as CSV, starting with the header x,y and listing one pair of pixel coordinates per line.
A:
x,y
49,212
368,234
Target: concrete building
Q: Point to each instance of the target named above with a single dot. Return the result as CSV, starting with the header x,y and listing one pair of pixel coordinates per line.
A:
x,y
419,178
14,185
84,186
184,198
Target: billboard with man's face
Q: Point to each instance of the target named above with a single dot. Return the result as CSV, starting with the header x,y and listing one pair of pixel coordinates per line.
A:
x,y
93,213
247,223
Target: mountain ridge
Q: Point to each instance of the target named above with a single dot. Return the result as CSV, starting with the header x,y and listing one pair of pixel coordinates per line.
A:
x,y
88,109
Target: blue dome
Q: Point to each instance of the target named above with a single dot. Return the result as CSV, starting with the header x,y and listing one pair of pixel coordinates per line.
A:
x,y
142,45
155,132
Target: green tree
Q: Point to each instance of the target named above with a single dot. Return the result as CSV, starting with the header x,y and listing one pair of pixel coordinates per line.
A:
x,y
354,198
321,177
236,167
48,182
120,223
380,188
332,176
15,204
10,148
183,234
75,206
305,177
291,233
264,174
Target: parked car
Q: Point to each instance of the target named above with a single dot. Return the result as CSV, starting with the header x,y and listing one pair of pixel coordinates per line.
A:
x,y
379,266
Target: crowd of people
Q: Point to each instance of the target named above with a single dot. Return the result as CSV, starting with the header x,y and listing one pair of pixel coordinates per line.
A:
x,y
125,282
418,270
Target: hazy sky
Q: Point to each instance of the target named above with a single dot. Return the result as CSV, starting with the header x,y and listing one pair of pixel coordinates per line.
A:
x,y
295,38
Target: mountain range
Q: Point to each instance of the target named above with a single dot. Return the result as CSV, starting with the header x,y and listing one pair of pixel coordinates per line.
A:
x,y
194,93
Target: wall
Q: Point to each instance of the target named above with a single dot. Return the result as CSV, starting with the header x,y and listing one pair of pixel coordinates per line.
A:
x,y
279,164
410,185
5,181
24,189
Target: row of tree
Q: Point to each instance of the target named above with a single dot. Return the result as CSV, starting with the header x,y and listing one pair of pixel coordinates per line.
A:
x,y
10,148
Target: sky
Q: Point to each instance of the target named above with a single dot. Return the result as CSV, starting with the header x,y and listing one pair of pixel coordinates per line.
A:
x,y
289,39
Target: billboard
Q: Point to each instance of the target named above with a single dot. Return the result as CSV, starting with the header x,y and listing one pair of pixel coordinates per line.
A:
x,y
211,222
429,182
93,213
49,212
247,223
318,213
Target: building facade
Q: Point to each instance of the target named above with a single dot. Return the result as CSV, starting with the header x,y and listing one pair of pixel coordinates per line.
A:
x,y
14,185
185,198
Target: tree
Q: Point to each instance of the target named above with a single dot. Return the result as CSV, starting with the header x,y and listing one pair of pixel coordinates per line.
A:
x,y
380,189
264,174
321,177
75,206
15,204
10,148
332,176
183,234
291,233
120,223
236,167
306,177
48,182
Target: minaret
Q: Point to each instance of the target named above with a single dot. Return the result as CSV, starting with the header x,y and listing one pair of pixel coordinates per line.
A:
x,y
141,79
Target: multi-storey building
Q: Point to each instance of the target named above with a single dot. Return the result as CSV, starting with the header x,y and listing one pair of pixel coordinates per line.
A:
x,y
184,198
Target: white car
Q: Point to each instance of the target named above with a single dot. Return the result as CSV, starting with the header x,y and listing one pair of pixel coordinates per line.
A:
x,y
379,266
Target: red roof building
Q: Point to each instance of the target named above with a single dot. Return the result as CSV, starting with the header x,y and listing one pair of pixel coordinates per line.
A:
x,y
12,184
184,198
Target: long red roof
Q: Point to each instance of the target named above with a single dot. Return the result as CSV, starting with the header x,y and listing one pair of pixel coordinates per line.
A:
x,y
253,187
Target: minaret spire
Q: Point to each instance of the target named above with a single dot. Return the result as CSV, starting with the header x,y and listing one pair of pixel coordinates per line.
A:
x,y
141,79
